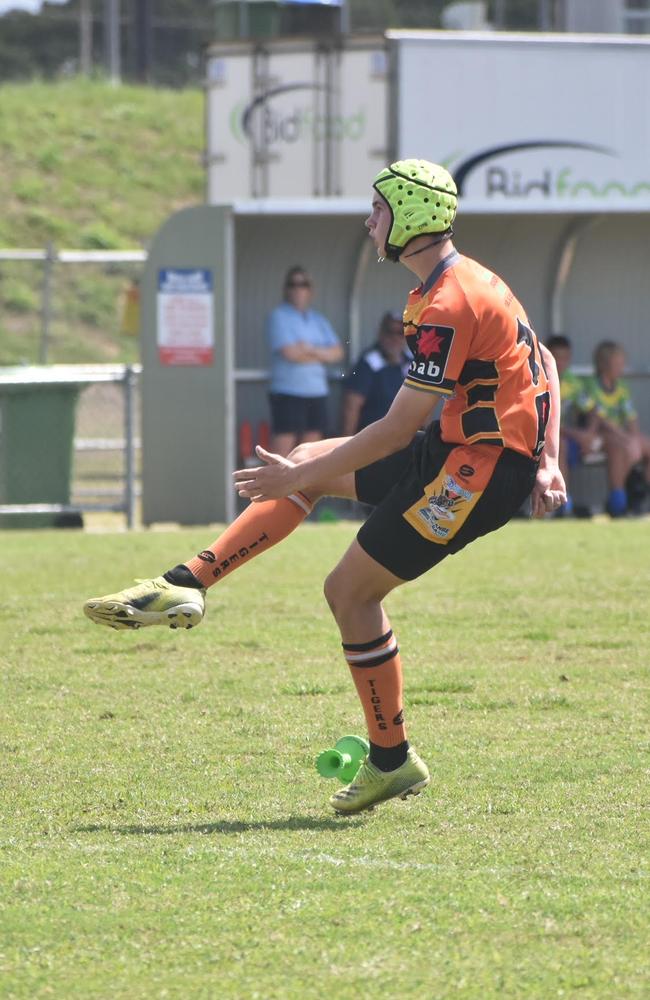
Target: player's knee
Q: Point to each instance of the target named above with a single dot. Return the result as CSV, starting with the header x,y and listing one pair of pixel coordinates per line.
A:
x,y
348,597
338,593
330,590
302,452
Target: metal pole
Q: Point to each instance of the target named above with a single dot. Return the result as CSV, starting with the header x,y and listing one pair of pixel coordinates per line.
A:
x,y
364,257
48,269
229,246
344,20
112,39
85,37
563,258
545,15
130,380
499,14
143,40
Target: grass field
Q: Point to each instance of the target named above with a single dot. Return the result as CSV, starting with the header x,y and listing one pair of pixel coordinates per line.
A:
x,y
165,833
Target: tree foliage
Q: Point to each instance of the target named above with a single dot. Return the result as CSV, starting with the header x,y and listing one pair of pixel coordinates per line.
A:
x,y
163,41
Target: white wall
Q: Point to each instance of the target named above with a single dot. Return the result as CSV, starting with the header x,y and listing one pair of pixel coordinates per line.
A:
x,y
608,295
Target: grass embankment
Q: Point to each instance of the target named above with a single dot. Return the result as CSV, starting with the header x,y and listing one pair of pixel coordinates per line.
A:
x,y
165,833
90,166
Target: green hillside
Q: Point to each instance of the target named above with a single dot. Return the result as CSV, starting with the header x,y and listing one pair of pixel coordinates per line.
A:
x,y
87,165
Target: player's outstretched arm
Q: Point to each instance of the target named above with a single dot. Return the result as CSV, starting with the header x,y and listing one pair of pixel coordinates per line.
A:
x,y
280,478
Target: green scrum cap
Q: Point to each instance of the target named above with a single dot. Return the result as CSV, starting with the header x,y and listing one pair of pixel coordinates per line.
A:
x,y
422,199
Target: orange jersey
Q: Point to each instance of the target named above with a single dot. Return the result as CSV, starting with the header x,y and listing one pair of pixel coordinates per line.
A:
x,y
471,341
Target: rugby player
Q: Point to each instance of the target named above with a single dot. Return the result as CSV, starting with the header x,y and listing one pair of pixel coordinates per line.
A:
x,y
432,492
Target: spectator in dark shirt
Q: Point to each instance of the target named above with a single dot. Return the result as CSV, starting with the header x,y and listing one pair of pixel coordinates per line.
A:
x,y
376,378
579,439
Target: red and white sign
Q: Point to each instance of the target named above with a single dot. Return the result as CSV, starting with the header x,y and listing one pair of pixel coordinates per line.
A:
x,y
185,331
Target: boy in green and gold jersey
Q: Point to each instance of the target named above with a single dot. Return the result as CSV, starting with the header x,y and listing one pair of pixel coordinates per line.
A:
x,y
626,448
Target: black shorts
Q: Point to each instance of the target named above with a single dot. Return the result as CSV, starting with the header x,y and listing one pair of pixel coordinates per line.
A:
x,y
298,414
431,499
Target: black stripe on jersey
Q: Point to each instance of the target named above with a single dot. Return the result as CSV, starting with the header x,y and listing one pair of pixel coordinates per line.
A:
x,y
480,420
496,441
543,407
481,393
475,371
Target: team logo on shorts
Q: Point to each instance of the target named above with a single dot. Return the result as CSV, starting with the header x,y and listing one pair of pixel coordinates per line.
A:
x,y
431,521
444,506
445,503
443,509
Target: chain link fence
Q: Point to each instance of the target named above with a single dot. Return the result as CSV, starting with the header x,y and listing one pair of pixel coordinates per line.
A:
x,y
55,312
70,317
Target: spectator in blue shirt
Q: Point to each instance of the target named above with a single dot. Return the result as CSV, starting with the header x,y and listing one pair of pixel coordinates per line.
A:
x,y
376,378
302,343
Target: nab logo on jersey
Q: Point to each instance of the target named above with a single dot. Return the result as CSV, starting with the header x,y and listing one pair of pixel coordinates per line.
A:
x,y
430,353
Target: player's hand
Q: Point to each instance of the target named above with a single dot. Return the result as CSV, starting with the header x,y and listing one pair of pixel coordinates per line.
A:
x,y
549,491
276,479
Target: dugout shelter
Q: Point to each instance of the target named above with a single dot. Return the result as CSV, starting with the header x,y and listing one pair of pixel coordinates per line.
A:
x,y
214,272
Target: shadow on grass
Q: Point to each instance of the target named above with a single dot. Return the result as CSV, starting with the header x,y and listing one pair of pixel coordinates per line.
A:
x,y
226,826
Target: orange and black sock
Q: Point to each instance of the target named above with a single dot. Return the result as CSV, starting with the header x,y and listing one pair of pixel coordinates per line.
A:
x,y
256,529
377,673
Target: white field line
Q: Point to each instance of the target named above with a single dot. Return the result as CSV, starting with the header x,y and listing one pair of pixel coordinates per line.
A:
x,y
315,858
